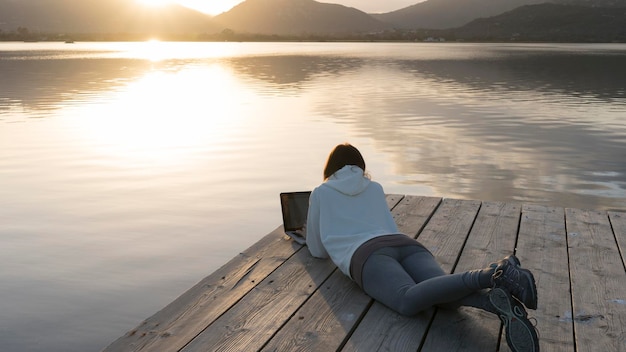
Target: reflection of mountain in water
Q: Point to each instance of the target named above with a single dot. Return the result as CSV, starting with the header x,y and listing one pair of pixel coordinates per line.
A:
x,y
292,72
45,84
567,73
58,79
478,128
42,82
584,74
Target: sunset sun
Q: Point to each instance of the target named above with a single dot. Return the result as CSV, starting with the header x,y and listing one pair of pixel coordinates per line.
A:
x,y
206,6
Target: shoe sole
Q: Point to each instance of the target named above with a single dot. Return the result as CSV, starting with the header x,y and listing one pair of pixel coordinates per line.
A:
x,y
520,333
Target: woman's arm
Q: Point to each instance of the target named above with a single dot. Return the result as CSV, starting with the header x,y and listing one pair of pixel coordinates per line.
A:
x,y
313,236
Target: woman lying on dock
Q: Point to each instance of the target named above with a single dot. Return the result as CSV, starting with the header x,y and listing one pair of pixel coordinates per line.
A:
x,y
350,222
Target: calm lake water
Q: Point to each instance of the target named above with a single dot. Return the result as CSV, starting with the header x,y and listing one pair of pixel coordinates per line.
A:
x,y
130,171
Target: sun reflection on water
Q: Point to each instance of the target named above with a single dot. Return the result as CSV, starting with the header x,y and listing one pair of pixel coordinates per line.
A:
x,y
162,116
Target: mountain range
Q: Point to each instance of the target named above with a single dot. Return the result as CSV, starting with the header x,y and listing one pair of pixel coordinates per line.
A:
x,y
441,14
460,19
560,23
293,17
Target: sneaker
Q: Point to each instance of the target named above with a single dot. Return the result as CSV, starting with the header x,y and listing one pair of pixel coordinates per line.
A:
x,y
518,281
521,335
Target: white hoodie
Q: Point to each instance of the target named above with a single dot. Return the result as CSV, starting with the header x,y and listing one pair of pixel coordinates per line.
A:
x,y
345,211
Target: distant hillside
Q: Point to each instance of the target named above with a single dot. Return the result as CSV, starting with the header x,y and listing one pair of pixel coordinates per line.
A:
x,y
550,22
590,3
100,16
297,17
441,14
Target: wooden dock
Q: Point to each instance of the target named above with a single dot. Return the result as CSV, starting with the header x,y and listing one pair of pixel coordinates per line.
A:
x,y
276,297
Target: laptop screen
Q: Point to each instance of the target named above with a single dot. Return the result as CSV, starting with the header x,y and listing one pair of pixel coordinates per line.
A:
x,y
295,206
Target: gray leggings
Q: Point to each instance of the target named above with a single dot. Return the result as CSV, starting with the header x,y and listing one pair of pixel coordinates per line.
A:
x,y
409,280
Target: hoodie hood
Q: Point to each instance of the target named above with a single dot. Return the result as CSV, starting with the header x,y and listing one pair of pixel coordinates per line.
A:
x,y
349,180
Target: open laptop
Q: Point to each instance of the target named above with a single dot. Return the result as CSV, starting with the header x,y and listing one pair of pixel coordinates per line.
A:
x,y
295,206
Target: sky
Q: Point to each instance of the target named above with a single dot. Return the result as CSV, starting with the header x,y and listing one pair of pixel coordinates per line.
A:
x,y
215,7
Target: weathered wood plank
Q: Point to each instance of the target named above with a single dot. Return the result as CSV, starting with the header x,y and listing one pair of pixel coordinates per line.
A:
x,y
618,222
542,248
393,199
249,324
384,330
597,281
412,213
447,231
469,329
325,320
174,326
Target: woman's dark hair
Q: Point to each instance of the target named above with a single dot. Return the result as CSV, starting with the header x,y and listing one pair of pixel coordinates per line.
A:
x,y
342,155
